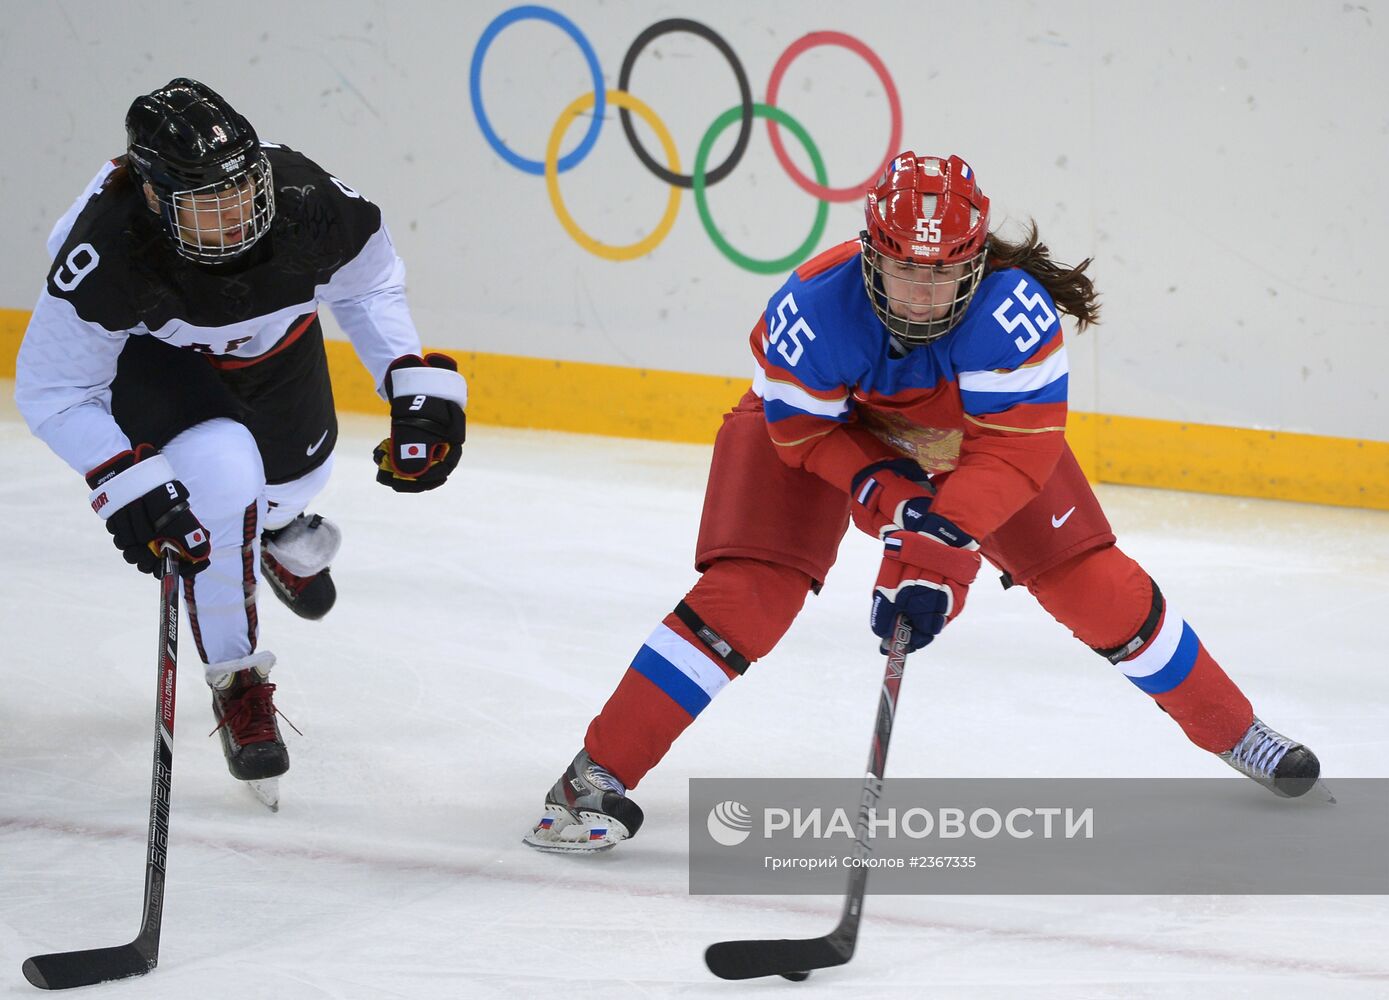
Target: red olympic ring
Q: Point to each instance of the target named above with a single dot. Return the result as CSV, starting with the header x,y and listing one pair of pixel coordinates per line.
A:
x,y
810,41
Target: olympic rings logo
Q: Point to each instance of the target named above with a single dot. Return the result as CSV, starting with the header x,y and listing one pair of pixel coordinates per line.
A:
x,y
701,176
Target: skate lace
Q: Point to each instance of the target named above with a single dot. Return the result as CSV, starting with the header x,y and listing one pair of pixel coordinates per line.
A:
x,y
250,715
1260,750
292,582
600,778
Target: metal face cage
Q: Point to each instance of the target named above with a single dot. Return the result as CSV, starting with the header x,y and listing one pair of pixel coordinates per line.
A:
x,y
217,222
921,288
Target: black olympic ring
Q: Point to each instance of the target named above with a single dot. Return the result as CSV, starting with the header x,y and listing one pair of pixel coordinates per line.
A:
x,y
744,92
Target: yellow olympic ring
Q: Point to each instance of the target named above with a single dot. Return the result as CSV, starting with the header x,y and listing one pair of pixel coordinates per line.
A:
x,y
608,251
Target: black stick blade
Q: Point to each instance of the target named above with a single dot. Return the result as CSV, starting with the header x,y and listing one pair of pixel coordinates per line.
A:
x,y
754,959
65,970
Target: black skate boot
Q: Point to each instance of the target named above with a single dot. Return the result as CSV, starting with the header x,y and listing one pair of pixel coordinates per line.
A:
x,y
243,703
294,561
587,811
1281,765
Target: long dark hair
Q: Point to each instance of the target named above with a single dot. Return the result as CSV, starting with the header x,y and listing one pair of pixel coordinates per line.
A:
x,y
1070,287
122,177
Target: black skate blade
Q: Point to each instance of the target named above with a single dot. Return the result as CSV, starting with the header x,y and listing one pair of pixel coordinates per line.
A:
x,y
791,959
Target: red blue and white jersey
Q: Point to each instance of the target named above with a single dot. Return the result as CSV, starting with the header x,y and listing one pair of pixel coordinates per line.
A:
x,y
986,402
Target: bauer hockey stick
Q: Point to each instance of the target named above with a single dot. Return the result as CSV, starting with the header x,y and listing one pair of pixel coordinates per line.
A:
x,y
794,959
66,969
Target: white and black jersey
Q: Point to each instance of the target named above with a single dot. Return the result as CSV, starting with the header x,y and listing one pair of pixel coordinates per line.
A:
x,y
245,335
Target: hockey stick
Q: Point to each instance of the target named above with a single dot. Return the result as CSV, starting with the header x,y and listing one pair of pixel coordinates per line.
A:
x,y
66,969
794,959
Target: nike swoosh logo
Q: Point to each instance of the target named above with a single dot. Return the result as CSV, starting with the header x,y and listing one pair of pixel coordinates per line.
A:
x,y
315,446
1056,522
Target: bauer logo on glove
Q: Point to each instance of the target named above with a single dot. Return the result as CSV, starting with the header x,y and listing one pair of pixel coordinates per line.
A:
x,y
427,423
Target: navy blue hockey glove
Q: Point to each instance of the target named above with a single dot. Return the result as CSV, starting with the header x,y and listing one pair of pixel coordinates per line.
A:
x,y
145,509
889,495
427,424
925,575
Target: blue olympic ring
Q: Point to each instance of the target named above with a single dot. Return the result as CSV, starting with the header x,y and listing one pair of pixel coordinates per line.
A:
x,y
532,13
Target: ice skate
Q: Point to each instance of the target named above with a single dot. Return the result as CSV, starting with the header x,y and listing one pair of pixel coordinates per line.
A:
x,y
1283,766
243,704
294,561
587,811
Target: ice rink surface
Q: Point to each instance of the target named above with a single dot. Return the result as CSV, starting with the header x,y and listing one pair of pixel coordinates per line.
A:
x,y
478,630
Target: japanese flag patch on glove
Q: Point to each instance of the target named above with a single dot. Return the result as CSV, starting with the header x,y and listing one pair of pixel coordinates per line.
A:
x,y
427,423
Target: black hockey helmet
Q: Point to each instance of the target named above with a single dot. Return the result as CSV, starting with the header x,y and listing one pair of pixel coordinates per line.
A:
x,y
206,167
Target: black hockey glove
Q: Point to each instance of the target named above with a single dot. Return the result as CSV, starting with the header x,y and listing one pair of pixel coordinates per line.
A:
x,y
145,509
427,423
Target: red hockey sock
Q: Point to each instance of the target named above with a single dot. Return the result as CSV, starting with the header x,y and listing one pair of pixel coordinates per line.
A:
x,y
669,683
1106,598
1211,710
744,607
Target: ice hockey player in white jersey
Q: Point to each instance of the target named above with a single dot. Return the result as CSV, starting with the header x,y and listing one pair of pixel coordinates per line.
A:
x,y
175,359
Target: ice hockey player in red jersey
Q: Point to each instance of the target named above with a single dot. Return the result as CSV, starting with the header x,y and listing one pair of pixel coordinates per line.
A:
x,y
175,358
914,382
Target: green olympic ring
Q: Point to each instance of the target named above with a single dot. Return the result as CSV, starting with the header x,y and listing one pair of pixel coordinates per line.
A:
x,y
822,213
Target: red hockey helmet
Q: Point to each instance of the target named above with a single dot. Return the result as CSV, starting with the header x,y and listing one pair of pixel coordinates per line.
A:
x,y
927,228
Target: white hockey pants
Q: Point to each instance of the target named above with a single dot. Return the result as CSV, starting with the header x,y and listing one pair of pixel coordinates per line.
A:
x,y
220,465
